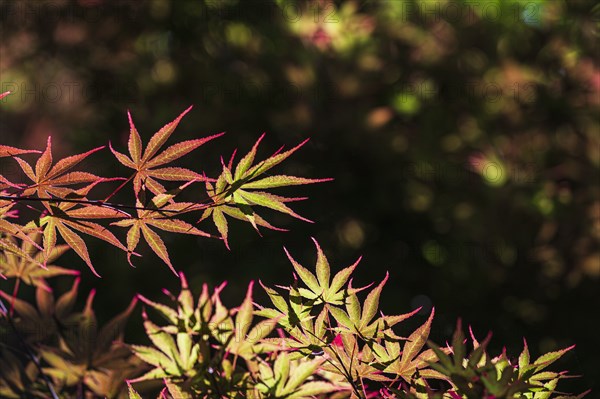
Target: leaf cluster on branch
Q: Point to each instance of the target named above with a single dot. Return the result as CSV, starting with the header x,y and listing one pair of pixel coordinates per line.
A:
x,y
321,337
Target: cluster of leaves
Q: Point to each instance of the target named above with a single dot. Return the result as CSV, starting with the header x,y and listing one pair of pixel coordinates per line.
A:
x,y
207,350
68,209
480,375
319,339
49,349
327,344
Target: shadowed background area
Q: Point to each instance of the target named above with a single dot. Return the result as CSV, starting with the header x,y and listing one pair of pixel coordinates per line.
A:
x,y
462,136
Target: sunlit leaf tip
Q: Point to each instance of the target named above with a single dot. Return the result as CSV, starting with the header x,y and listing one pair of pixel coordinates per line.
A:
x,y
183,279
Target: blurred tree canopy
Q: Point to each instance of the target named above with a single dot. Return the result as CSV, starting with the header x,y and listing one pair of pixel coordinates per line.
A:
x,y
463,137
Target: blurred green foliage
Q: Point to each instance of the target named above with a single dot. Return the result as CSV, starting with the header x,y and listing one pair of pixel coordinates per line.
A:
x,y
463,138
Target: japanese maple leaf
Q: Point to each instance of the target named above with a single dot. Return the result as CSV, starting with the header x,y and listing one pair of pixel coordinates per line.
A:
x,y
158,214
19,267
84,350
233,193
146,163
66,217
9,231
6,227
13,230
49,181
406,362
8,246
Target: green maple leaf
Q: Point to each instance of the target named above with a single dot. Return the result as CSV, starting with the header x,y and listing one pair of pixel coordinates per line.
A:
x,y
234,193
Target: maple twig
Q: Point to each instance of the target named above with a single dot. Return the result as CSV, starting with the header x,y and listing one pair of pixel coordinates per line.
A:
x,y
118,188
86,202
14,296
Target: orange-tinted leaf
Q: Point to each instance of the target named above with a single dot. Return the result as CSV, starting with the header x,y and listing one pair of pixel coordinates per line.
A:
x,y
45,161
95,230
7,151
157,245
95,212
5,183
145,177
135,142
74,178
178,150
161,137
154,186
176,226
175,174
78,245
67,163
124,159
26,168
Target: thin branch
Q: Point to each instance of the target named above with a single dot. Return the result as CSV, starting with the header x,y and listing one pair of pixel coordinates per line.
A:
x,y
119,188
86,202
14,297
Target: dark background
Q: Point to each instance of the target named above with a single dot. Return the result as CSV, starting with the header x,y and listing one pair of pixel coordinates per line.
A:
x,y
462,136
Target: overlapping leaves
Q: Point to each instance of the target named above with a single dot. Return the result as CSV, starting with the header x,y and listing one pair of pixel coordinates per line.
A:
x,y
326,321
68,210
479,375
71,351
27,266
330,341
234,193
203,346
158,213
